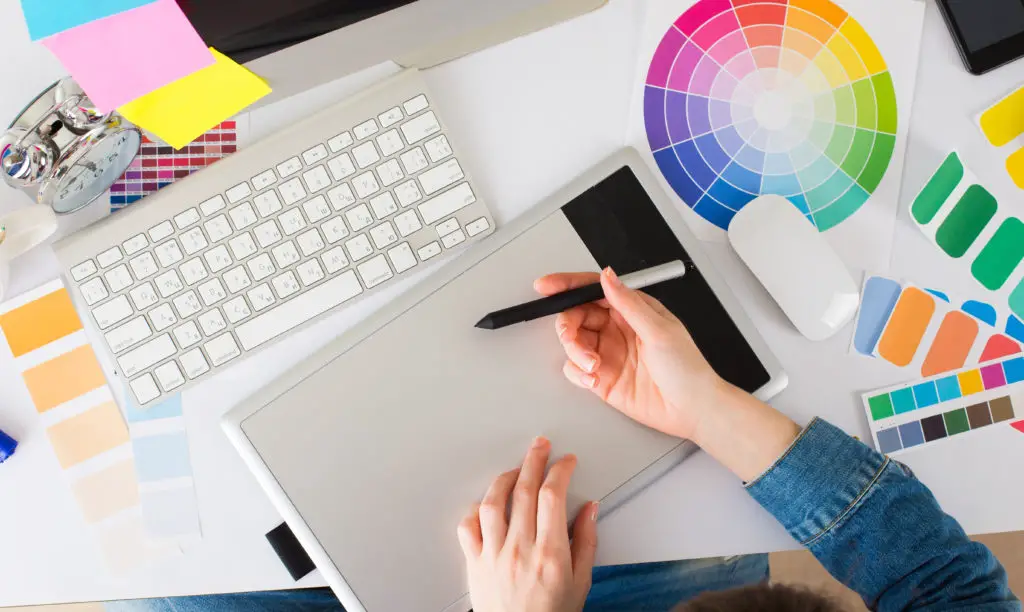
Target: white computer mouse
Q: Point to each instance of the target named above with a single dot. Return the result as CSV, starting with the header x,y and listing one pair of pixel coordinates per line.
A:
x,y
796,265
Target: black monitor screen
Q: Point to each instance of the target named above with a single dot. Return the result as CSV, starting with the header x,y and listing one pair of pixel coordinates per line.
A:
x,y
248,29
984,23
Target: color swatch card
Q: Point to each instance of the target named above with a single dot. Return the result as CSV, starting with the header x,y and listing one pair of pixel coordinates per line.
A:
x,y
965,403
48,17
1003,125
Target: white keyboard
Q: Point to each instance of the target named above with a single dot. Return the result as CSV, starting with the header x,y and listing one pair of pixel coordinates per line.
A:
x,y
220,264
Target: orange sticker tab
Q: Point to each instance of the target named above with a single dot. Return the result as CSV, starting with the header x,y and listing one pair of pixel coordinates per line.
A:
x,y
40,322
907,325
89,434
64,378
952,344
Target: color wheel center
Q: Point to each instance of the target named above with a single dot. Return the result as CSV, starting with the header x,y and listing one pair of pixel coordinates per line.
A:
x,y
773,111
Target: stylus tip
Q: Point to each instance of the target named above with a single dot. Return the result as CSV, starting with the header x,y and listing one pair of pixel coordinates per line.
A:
x,y
486,322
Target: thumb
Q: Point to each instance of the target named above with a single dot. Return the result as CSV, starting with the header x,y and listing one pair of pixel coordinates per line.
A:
x,y
584,544
637,312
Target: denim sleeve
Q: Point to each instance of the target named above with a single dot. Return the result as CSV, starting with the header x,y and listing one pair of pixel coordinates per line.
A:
x,y
877,528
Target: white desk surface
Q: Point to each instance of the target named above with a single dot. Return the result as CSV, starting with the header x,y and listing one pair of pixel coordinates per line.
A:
x,y
529,115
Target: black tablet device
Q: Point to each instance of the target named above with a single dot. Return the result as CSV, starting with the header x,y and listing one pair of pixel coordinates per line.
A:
x,y
988,33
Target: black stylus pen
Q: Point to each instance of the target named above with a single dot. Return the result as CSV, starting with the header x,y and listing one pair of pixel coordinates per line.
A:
x,y
560,302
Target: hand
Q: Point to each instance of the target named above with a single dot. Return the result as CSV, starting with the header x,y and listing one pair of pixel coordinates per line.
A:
x,y
634,354
525,563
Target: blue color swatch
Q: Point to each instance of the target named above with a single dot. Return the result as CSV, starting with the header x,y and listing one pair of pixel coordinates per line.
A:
x,y
167,409
1015,328
939,294
949,388
889,440
912,434
926,395
880,295
48,17
162,457
1014,370
980,311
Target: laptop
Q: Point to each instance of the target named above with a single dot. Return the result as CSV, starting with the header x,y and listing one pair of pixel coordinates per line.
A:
x,y
375,448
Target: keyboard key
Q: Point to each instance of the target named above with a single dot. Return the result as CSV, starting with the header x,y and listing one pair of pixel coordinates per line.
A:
x,y
193,271
339,142
415,105
359,247
310,242
341,197
390,172
316,179
243,216
366,155
359,217
438,178
334,230
365,130
193,241
341,167
366,185
384,205
113,312
194,363
134,245
407,223
187,218
317,153
292,221
109,257
161,231
93,291
213,205
310,272
390,143
119,278
143,296
260,267
162,317
289,167
212,322
291,191
169,376
218,228
237,310
375,271
447,227
236,279
438,148
238,193
188,335
83,270
168,254
334,260
478,226
402,258
267,203
264,179
222,349
421,127
147,355
187,304
267,234
286,284
168,284
261,297
408,193
445,204
144,389
128,335
242,246
453,239
414,160
218,259
431,250
317,209
293,313
286,254
390,117
384,235
212,291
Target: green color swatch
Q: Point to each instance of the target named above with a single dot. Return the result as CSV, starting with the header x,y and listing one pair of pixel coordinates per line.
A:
x,y
937,191
962,227
956,422
1017,300
846,106
864,94
878,163
881,407
1001,255
842,138
885,93
840,210
857,156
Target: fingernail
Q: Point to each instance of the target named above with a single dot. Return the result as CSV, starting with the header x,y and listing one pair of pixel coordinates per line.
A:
x,y
591,363
539,441
593,511
590,380
562,329
612,276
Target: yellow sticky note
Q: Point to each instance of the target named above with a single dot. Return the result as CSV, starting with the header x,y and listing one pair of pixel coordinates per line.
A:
x,y
1015,166
1004,121
180,112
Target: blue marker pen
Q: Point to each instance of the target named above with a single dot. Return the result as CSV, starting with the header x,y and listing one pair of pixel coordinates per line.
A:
x,y
7,446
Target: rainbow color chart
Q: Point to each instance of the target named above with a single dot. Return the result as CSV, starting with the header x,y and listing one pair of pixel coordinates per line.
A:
x,y
788,97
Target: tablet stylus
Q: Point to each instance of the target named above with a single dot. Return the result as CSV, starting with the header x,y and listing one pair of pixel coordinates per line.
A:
x,y
560,302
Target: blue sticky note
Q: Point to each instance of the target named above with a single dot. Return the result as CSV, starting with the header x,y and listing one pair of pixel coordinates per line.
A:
x,y
926,395
48,17
949,388
912,434
942,296
161,457
167,409
1014,370
889,441
980,311
903,400
1015,328
880,295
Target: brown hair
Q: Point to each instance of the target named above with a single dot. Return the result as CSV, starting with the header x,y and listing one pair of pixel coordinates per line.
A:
x,y
763,598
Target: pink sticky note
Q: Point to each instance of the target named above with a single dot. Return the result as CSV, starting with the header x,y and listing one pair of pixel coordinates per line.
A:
x,y
125,56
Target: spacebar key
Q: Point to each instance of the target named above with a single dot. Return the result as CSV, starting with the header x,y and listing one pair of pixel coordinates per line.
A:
x,y
291,314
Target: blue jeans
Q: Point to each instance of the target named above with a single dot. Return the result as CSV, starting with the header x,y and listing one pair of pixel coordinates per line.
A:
x,y
641,587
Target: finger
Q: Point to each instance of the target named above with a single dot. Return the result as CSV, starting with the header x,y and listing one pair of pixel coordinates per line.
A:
x,y
578,377
493,525
635,310
470,537
589,316
552,524
522,524
584,358
564,281
584,545
589,340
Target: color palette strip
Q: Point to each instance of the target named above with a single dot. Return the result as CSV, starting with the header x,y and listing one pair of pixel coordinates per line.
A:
x,y
788,97
158,165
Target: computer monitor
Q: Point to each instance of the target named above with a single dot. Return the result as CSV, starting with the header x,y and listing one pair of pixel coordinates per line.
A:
x,y
299,44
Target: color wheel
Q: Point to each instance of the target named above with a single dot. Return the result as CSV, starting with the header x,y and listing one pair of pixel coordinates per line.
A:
x,y
788,97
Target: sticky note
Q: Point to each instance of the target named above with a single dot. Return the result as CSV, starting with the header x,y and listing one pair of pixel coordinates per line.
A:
x,y
64,378
47,17
880,295
1000,255
40,322
185,109
938,189
906,327
1015,167
87,435
997,347
161,457
980,311
970,382
108,491
1004,120
952,344
964,224
123,57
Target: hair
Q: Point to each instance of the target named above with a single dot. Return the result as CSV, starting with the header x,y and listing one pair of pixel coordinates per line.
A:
x,y
764,597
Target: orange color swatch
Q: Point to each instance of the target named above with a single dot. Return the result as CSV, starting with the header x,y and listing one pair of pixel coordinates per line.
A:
x,y
86,435
952,344
39,323
907,325
64,378
999,346
108,491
